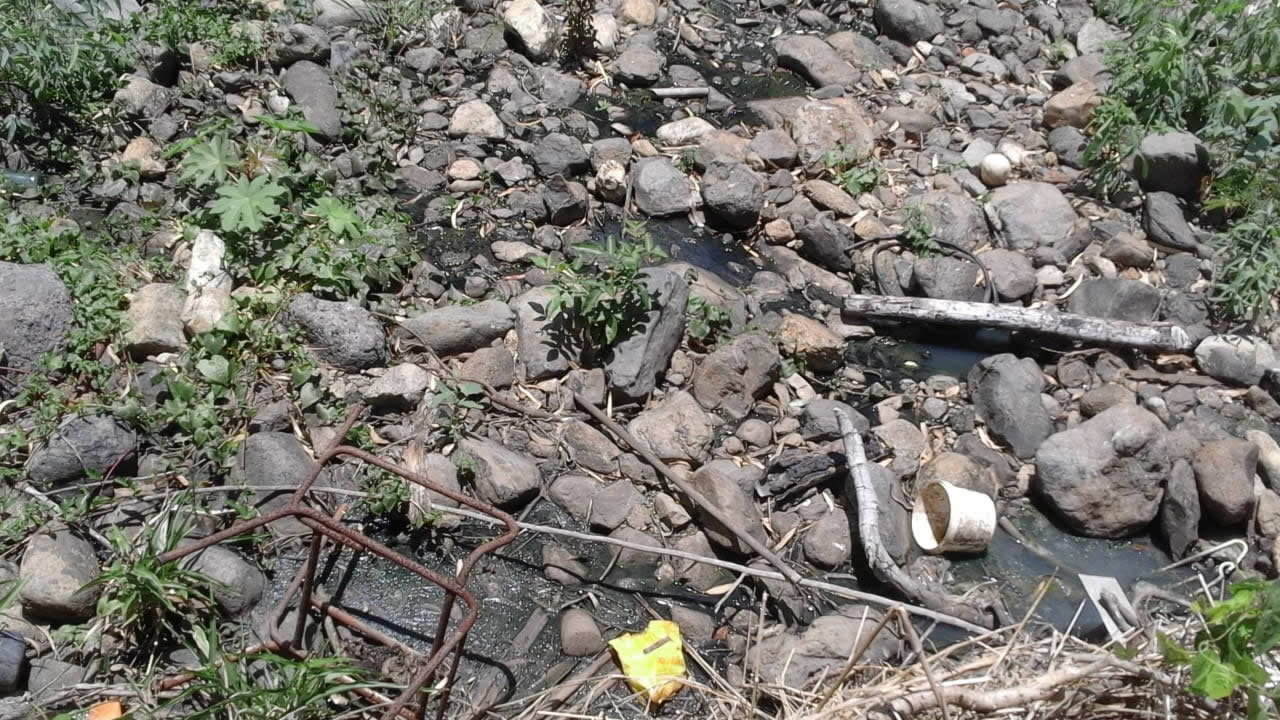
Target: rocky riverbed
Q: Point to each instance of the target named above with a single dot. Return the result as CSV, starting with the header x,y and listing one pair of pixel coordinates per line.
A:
x,y
779,158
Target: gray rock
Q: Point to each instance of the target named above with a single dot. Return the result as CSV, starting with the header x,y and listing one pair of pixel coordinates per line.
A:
x,y
1105,396
273,459
579,634
1069,144
35,313
1224,472
634,558
48,677
1104,477
237,584
733,196
733,376
907,21
1033,214
909,119
818,127
984,65
532,27
310,87
558,89
1128,250
424,60
340,333
82,446
590,448
493,366
573,493
831,197
155,321
676,428
612,504
829,543
905,441
827,241
475,117
558,154
1006,395
962,471
1115,298
346,13
714,290
1165,224
562,566
541,340
1172,162
616,149
811,341
501,476
1095,36
461,328
814,59
1082,68
859,50
566,202
818,421
1011,273
635,362
775,147
1236,358
727,487
300,41
754,432
639,65
659,189
947,278
1180,510
796,660
55,569
399,388
142,97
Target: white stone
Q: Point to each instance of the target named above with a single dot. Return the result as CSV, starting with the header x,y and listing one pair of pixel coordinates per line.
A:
x,y
995,170
606,29
684,131
476,118
611,181
1012,150
208,284
535,28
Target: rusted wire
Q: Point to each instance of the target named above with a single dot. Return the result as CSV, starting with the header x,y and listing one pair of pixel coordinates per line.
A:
x,y
445,644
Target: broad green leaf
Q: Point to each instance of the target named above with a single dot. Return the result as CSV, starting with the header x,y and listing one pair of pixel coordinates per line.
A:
x,y
247,203
1211,677
215,369
340,219
210,162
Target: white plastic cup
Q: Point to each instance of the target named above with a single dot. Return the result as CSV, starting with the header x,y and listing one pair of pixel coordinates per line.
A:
x,y
947,518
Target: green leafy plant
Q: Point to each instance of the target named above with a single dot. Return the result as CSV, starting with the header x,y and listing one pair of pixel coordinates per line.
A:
x,y
1237,634
705,321
387,494
855,177
56,67
578,39
453,402
246,204
601,303
148,603
262,685
686,161
219,25
1211,68
917,233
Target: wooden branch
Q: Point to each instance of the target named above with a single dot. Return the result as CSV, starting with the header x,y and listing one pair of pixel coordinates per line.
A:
x,y
982,700
1081,328
882,565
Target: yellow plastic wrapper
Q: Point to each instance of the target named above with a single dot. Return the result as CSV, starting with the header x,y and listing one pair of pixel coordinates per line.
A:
x,y
652,660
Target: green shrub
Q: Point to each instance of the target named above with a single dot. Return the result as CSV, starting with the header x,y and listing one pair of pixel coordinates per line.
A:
x,y
218,25
1211,68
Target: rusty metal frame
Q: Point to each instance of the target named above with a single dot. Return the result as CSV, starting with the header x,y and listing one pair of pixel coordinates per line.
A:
x,y
324,527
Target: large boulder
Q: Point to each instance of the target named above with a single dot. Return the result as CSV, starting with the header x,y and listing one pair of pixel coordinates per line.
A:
x,y
908,21
732,196
1236,358
1105,477
531,27
819,127
1224,473
83,446
1115,299
727,487
311,88
1006,394
35,313
796,660
1173,162
660,189
814,59
954,217
54,578
636,361
273,459
501,476
545,344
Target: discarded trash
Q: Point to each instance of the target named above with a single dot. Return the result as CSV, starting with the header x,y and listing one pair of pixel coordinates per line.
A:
x,y
947,518
1112,604
109,710
652,660
18,180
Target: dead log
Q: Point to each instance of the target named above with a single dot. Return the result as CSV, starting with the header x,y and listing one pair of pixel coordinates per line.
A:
x,y
1081,328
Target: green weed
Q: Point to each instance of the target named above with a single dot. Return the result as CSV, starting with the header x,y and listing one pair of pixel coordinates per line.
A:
x,y
917,233
1224,659
705,322
1211,68
855,177
218,25
578,39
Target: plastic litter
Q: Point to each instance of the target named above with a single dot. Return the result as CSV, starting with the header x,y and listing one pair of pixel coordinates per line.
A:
x,y
947,518
652,660
108,710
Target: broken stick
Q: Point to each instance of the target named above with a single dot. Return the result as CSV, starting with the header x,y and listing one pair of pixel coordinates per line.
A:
x,y
882,565
1081,328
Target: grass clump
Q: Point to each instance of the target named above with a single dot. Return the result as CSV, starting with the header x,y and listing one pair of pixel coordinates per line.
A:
x,y
220,26
1211,68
